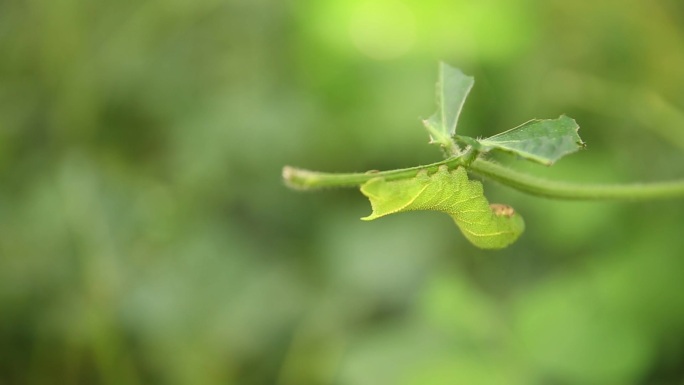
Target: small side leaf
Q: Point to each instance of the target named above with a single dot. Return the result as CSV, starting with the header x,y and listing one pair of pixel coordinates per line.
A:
x,y
485,226
453,87
542,141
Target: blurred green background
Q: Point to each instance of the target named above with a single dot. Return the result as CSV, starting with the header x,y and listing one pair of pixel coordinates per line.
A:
x,y
146,236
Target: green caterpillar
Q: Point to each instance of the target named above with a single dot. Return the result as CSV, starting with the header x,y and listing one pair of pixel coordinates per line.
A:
x,y
486,226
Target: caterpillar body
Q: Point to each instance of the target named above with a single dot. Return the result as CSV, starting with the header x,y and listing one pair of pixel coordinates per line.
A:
x,y
450,191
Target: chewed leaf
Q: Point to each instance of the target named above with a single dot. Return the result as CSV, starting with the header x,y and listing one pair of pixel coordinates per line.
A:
x,y
542,141
486,226
452,89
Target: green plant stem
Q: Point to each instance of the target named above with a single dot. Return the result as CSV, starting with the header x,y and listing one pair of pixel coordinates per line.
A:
x,y
575,191
305,180
309,180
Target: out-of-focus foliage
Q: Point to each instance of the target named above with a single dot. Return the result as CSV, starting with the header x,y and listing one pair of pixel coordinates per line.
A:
x,y
146,238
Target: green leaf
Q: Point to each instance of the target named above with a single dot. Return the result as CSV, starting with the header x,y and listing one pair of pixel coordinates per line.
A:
x,y
542,141
486,226
453,87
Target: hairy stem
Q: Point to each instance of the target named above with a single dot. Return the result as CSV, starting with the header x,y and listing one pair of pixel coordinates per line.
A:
x,y
306,180
575,191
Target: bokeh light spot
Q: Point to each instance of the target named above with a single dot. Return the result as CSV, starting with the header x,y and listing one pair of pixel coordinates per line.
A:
x,y
382,30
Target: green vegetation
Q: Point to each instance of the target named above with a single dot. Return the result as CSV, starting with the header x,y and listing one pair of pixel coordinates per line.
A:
x,y
146,236
541,141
